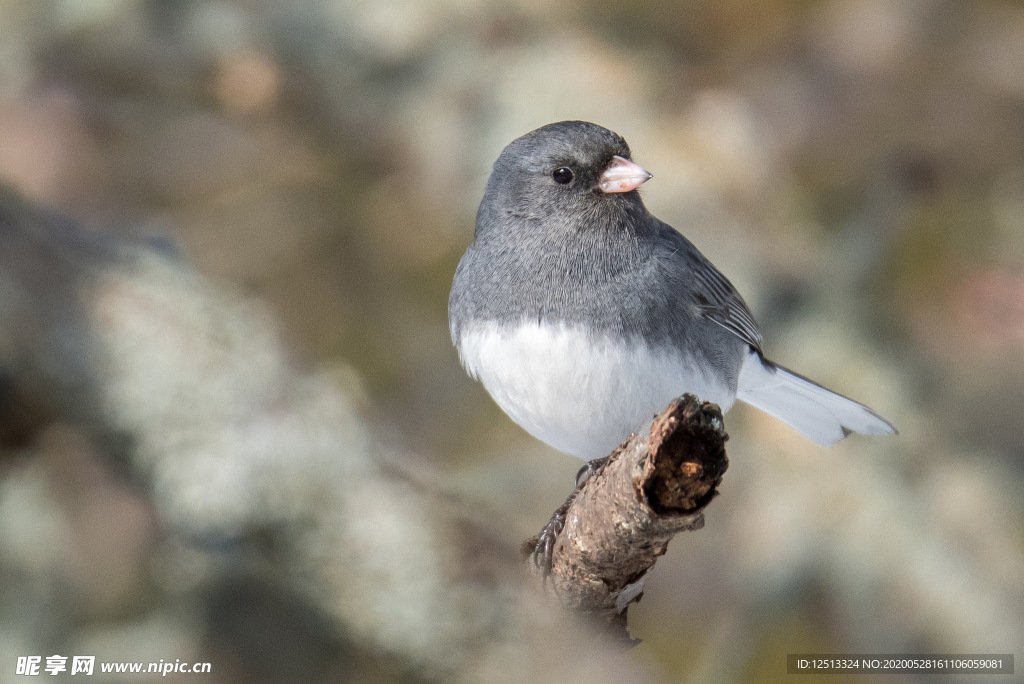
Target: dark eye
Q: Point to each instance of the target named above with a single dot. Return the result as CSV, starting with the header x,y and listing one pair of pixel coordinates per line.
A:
x,y
562,175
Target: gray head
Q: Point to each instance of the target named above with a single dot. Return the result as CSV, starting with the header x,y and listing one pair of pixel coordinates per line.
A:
x,y
572,171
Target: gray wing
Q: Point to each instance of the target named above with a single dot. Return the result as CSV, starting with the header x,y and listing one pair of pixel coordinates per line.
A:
x,y
719,302
713,296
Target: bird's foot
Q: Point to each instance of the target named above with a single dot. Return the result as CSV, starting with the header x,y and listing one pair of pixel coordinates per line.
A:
x,y
588,471
544,546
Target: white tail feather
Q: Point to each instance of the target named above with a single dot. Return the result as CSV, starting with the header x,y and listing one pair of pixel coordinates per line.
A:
x,y
819,414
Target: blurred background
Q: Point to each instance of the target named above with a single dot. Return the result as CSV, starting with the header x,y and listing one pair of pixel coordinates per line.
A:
x,y
855,167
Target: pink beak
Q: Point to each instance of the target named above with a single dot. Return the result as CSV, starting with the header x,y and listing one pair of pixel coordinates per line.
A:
x,y
622,175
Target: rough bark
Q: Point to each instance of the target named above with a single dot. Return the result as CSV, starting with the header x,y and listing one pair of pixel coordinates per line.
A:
x,y
652,487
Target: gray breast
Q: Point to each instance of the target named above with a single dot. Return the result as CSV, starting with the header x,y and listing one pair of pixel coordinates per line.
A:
x,y
618,284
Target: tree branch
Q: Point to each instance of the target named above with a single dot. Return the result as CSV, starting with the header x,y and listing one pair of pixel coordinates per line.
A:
x,y
652,487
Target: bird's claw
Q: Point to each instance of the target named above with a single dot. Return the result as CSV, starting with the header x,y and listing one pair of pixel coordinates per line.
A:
x,y
544,549
589,470
545,546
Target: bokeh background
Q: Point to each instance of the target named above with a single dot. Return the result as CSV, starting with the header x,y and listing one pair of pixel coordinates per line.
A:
x,y
856,167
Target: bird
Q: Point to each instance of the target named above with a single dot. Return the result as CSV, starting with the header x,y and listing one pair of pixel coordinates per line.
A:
x,y
583,315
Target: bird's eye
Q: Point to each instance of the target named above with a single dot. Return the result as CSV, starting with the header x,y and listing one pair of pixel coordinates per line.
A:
x,y
562,175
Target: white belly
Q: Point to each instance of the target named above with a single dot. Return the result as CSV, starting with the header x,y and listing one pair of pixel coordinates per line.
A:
x,y
580,394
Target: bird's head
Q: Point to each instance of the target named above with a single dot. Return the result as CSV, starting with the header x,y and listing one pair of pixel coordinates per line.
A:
x,y
573,172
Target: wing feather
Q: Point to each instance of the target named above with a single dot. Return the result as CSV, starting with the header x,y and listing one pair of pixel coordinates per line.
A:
x,y
720,303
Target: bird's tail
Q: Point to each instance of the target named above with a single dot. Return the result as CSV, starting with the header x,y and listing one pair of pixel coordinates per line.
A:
x,y
819,414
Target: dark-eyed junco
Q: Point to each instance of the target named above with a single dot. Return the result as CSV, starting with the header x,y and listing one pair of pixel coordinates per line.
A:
x,y
583,315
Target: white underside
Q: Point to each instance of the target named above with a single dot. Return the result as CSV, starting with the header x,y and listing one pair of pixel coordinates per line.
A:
x,y
579,393
584,394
